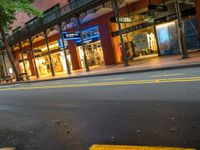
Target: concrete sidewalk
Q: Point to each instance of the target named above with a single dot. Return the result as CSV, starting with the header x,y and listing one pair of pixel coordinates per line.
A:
x,y
142,65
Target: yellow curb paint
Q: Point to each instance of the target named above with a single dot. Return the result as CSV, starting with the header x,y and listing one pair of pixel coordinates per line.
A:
x,y
7,148
121,147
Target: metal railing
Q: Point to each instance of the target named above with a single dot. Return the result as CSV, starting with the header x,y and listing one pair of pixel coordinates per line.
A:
x,y
41,22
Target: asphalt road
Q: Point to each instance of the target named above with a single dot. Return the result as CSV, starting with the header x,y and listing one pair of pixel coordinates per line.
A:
x,y
160,108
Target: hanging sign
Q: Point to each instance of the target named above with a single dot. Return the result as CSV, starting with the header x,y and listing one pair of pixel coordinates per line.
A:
x,y
121,19
132,28
71,36
157,8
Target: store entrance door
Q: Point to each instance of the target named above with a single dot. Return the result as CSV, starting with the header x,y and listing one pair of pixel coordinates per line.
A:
x,y
93,48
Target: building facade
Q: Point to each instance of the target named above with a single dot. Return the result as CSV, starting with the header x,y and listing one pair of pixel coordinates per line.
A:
x,y
145,33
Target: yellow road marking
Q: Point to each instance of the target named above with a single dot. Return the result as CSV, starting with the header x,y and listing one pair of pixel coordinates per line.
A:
x,y
113,79
84,81
168,75
7,148
131,82
121,147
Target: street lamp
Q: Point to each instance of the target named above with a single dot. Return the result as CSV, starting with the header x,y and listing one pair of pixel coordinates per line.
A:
x,y
180,31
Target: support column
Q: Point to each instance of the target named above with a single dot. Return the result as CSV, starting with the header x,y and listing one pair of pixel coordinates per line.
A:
x,y
64,50
23,61
117,14
198,15
4,64
49,53
33,56
74,55
83,45
180,31
105,33
30,59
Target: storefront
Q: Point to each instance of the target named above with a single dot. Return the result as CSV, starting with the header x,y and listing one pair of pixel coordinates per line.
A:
x,y
57,57
93,47
26,63
167,32
139,38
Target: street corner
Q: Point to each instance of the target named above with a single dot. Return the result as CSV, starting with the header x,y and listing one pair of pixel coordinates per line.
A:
x,y
123,147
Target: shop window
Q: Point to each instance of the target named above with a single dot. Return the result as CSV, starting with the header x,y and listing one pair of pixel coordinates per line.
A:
x,y
93,47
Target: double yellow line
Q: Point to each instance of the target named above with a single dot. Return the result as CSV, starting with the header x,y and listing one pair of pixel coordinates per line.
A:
x,y
114,83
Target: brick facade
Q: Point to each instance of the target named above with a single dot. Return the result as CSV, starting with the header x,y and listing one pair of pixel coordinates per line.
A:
x,y
43,5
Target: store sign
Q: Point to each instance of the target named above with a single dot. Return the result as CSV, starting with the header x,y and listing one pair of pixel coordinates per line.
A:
x,y
60,44
172,17
37,51
133,28
121,19
157,8
71,36
166,19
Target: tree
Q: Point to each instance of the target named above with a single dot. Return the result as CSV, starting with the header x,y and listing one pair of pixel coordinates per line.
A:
x,y
8,9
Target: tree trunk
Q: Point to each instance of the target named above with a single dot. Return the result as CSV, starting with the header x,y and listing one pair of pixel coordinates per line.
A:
x,y
10,56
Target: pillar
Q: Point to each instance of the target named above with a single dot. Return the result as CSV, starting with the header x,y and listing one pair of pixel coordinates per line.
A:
x,y
17,60
30,59
198,15
106,42
74,55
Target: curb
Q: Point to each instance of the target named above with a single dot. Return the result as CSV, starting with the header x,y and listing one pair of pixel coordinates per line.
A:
x,y
111,73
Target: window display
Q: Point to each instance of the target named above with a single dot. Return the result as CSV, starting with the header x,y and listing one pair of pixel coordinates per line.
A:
x,y
138,36
43,65
27,65
167,38
93,48
140,44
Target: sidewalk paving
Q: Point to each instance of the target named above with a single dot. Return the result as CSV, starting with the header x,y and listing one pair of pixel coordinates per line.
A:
x,y
142,65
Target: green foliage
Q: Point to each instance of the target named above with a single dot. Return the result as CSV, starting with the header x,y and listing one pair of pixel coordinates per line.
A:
x,y
8,9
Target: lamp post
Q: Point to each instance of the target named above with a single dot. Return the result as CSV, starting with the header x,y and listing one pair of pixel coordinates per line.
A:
x,y
180,31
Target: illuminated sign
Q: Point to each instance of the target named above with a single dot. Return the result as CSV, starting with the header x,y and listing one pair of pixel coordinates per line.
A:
x,y
90,35
158,8
121,19
132,28
70,36
60,43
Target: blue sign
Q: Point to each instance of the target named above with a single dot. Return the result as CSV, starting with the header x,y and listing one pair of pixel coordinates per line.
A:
x,y
71,36
60,43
